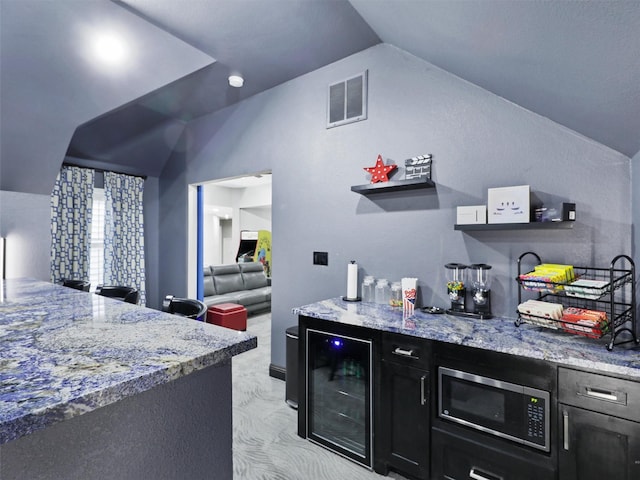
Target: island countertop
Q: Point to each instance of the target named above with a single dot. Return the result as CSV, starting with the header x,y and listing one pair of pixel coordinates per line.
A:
x,y
65,352
496,334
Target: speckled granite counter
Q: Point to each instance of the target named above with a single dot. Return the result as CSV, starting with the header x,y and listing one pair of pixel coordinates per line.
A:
x,y
65,353
497,334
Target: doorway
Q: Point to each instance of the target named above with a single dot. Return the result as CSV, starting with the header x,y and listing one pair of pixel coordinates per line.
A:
x,y
230,207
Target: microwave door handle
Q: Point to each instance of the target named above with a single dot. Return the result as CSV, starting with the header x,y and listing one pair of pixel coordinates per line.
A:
x,y
423,397
478,474
565,430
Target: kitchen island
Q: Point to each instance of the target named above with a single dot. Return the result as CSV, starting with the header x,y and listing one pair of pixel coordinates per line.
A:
x,y
91,387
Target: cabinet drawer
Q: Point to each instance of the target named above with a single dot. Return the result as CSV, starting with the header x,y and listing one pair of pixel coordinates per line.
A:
x,y
406,350
457,458
599,393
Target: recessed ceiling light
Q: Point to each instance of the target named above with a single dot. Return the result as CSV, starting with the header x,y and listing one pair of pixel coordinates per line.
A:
x,y
236,81
109,48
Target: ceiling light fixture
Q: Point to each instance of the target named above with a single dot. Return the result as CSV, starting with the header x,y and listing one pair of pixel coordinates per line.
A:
x,y
236,81
109,48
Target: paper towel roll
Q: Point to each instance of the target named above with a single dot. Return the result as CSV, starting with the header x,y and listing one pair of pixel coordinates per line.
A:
x,y
352,280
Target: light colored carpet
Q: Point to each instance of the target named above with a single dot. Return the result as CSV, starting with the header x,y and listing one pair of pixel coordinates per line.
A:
x,y
265,443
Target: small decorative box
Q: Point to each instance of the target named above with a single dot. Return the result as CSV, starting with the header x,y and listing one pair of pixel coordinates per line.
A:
x,y
509,204
471,214
418,167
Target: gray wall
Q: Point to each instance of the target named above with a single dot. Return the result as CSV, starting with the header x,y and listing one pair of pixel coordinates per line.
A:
x,y
478,141
151,241
25,221
172,227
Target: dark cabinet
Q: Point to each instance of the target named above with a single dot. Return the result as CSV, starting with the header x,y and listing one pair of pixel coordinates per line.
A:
x,y
373,396
599,421
403,437
466,456
597,446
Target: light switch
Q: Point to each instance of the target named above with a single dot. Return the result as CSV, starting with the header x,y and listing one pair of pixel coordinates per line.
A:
x,y
320,258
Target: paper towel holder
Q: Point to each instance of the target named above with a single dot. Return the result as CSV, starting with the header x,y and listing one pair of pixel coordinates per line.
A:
x,y
352,283
357,299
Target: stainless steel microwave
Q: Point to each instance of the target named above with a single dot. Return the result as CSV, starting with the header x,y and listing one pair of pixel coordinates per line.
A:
x,y
515,412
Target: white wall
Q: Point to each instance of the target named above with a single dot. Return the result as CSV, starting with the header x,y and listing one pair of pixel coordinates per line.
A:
x,y
249,209
229,249
255,218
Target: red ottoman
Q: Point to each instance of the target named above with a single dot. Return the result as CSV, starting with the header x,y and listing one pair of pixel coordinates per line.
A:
x,y
228,315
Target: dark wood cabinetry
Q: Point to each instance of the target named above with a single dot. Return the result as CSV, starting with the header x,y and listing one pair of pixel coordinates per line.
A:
x,y
461,455
597,446
599,421
593,418
405,401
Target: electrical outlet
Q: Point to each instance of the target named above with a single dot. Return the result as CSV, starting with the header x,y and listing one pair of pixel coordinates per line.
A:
x,y
320,258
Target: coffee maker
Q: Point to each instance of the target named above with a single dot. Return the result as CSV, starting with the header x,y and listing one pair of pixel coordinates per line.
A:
x,y
480,281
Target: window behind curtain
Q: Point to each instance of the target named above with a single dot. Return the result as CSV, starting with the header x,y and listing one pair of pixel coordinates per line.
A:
x,y
96,270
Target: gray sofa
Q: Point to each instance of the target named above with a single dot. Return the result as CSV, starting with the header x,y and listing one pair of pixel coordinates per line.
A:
x,y
243,283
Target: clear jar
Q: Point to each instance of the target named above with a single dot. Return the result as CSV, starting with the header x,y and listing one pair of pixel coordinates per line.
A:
x,y
368,289
383,292
395,299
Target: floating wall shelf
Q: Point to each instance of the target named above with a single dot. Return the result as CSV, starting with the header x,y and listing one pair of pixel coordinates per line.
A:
x,y
515,226
393,186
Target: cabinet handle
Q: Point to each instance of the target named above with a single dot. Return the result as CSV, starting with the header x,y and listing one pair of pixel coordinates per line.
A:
x,y
423,397
601,394
402,352
565,430
478,474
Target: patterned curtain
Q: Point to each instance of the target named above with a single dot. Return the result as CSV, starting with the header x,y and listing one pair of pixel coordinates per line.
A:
x,y
71,202
124,232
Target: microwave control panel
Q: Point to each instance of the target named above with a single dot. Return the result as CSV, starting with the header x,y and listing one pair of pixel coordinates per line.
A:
x,y
536,421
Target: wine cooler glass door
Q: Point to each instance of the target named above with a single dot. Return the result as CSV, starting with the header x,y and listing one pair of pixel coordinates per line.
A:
x,y
339,394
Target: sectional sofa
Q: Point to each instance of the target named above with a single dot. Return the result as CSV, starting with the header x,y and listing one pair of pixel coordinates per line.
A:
x,y
243,283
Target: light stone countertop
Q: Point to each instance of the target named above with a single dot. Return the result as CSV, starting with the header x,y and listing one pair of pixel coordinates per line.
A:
x,y
64,352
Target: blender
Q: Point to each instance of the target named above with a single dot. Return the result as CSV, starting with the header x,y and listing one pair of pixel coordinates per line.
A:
x,y
455,286
480,281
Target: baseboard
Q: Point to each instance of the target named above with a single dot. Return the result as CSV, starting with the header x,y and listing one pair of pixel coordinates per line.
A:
x,y
278,372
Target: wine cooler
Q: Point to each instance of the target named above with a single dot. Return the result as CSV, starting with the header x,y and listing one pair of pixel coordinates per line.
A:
x,y
339,394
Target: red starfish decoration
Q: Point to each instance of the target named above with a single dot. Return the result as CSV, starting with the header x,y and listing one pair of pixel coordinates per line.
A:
x,y
380,172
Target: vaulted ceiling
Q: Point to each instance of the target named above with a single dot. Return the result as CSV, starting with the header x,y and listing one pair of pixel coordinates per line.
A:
x,y
574,62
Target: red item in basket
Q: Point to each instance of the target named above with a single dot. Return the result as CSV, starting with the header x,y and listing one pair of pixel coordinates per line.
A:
x,y
581,321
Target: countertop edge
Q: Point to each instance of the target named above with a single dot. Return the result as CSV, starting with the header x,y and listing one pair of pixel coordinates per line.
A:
x,y
21,426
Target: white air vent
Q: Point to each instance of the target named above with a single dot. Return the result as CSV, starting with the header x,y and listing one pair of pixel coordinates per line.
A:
x,y
347,101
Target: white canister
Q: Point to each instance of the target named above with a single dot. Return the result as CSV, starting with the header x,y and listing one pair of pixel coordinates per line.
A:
x,y
382,291
368,289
